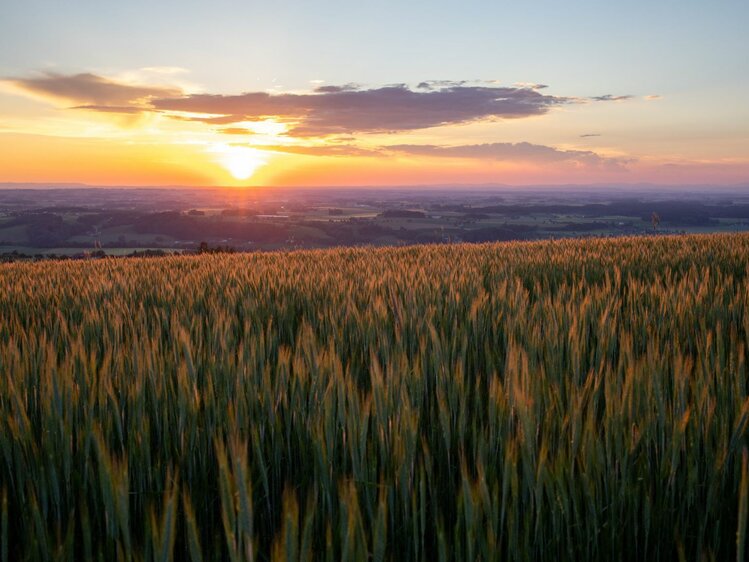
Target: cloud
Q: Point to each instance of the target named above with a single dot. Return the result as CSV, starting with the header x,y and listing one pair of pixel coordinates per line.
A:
x,y
586,135
352,109
438,84
110,108
210,120
89,91
327,110
236,131
503,151
531,85
610,97
350,87
322,150
653,97
506,152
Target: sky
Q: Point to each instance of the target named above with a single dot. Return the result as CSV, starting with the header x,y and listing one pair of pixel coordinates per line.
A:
x,y
342,93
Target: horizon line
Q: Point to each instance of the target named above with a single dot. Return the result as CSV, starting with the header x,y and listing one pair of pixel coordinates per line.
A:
x,y
437,186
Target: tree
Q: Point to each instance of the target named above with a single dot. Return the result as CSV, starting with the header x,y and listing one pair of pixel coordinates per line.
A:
x,y
655,219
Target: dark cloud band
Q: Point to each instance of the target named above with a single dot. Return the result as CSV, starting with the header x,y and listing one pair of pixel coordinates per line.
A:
x,y
350,109
328,110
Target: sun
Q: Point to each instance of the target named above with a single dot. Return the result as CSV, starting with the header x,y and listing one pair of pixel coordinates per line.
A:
x,y
240,161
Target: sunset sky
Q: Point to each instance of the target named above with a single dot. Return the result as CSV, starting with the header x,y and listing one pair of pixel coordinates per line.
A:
x,y
374,93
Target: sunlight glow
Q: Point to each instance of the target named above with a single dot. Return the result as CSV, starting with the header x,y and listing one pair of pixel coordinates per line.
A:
x,y
240,161
268,127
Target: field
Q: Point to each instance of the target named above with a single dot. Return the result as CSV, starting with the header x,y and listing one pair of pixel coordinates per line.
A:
x,y
565,400
58,222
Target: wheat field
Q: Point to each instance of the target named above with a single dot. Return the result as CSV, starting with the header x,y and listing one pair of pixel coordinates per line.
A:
x,y
559,400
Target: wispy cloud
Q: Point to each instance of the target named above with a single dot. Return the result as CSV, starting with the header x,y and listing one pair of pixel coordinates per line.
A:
x,y
236,131
90,91
610,97
322,150
506,152
521,151
350,87
531,85
440,84
586,135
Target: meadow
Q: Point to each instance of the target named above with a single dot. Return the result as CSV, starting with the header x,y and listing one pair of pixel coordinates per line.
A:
x,y
557,400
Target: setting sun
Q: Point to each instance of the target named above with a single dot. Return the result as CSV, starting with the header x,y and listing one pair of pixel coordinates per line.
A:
x,y
240,161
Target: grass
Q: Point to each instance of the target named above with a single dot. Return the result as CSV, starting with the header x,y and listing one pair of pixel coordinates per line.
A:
x,y
527,401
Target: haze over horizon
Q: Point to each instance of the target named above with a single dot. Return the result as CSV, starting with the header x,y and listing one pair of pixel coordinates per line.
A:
x,y
333,94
